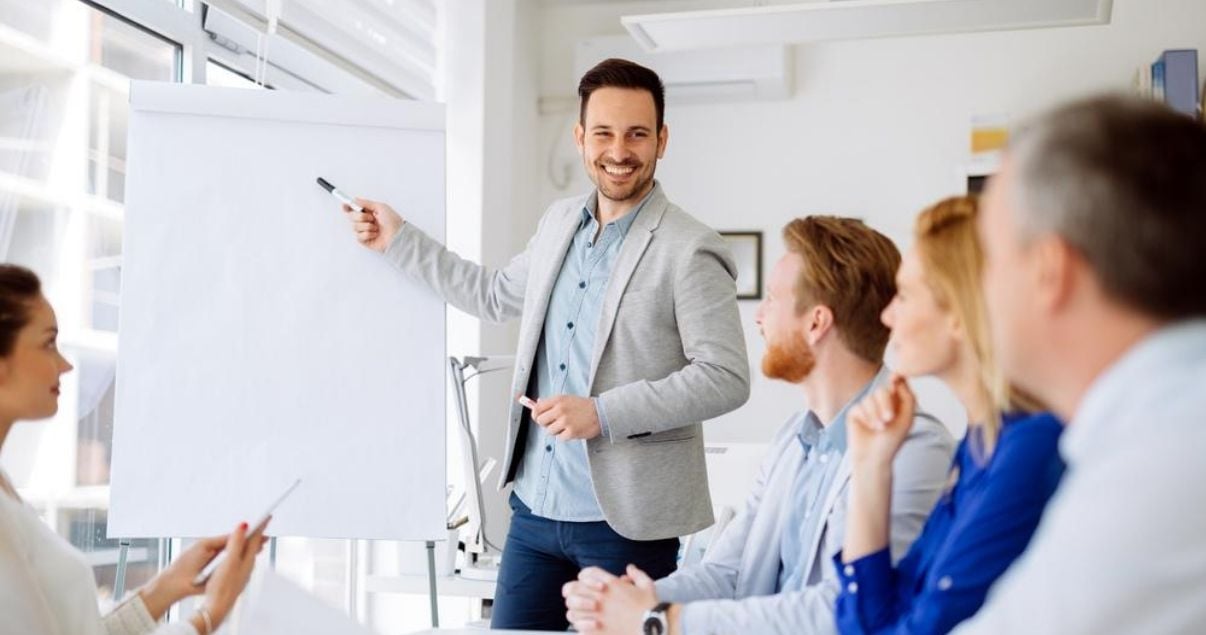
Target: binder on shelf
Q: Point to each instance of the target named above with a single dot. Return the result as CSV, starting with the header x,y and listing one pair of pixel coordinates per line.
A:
x,y
1175,80
1158,80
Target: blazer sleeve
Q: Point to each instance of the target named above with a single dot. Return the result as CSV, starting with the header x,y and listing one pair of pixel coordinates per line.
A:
x,y
806,611
918,475
716,576
716,379
809,610
495,295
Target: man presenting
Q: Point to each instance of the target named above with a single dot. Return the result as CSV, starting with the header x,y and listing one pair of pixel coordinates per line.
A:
x,y
629,338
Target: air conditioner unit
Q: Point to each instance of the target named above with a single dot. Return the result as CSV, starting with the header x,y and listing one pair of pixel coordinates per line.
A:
x,y
714,75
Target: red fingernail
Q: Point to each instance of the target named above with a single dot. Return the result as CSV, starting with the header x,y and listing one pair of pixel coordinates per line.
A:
x,y
243,526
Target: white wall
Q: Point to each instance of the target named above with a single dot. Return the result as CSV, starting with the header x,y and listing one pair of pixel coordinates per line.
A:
x,y
490,90
876,129
489,85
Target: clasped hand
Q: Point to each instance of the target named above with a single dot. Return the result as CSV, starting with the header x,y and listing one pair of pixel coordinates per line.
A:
x,y
604,604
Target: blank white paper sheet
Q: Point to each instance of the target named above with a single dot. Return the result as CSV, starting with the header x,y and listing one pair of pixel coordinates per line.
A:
x,y
258,341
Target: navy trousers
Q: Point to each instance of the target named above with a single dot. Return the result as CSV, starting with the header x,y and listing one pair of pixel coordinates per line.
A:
x,y
541,555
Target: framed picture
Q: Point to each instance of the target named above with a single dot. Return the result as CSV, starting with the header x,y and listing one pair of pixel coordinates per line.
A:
x,y
747,251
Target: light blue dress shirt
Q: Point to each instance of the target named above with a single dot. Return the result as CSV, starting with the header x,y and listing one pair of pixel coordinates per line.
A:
x,y
738,587
554,476
823,448
1121,547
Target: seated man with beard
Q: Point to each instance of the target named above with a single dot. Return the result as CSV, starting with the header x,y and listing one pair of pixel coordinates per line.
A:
x,y
770,570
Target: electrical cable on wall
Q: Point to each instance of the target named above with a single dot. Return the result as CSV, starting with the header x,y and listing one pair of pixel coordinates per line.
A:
x,y
560,181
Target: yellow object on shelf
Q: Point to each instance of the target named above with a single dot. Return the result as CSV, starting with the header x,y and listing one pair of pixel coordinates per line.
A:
x,y
988,140
988,134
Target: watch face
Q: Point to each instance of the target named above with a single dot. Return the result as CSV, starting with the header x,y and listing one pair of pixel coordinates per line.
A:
x,y
655,625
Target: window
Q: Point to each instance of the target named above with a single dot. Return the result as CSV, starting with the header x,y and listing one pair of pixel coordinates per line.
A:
x,y
217,74
64,88
65,68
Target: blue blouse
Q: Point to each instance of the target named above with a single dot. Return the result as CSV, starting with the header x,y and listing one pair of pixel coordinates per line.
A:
x,y
977,529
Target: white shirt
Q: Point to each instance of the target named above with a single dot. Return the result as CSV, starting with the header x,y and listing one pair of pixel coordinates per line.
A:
x,y
47,587
1122,547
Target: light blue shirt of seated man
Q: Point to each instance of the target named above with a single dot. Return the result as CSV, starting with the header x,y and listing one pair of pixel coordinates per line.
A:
x,y
769,571
821,450
554,476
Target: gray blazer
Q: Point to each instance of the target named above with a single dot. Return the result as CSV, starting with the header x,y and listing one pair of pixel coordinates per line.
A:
x,y
669,353
733,589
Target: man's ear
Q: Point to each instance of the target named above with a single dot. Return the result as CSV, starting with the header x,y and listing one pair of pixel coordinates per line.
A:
x,y
580,137
1055,264
663,137
820,322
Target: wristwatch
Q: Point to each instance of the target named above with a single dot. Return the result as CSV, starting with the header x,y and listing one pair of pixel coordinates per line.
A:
x,y
655,620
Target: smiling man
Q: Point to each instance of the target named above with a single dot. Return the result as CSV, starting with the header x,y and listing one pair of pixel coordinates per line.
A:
x,y
629,339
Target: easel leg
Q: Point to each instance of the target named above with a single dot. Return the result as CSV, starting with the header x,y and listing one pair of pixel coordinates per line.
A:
x,y
119,585
431,583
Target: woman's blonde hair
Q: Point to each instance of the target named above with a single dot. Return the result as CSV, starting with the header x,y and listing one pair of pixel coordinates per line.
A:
x,y
953,262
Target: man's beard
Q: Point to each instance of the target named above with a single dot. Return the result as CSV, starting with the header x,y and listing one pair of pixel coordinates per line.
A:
x,y
790,361
623,193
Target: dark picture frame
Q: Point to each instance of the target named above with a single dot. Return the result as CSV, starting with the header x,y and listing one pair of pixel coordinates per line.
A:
x,y
746,247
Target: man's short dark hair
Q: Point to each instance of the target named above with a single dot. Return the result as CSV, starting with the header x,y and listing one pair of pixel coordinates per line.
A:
x,y
618,73
1122,180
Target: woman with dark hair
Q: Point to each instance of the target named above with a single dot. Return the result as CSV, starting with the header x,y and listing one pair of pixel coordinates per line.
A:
x,y
46,585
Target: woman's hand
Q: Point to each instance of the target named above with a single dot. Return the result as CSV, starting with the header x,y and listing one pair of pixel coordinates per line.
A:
x,y
176,581
875,429
228,580
878,425
224,586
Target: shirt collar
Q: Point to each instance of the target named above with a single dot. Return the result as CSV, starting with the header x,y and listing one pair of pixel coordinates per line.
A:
x,y
1163,351
622,223
813,433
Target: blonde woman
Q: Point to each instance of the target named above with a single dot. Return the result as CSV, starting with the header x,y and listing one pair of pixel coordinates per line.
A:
x,y
1005,470
46,585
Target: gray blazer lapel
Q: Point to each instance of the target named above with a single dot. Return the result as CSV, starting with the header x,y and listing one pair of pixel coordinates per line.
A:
x,y
635,243
550,259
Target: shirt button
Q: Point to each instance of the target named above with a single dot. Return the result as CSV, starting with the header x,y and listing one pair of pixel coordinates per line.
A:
x,y
852,587
945,583
548,448
569,325
824,458
849,570
582,285
562,367
589,244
